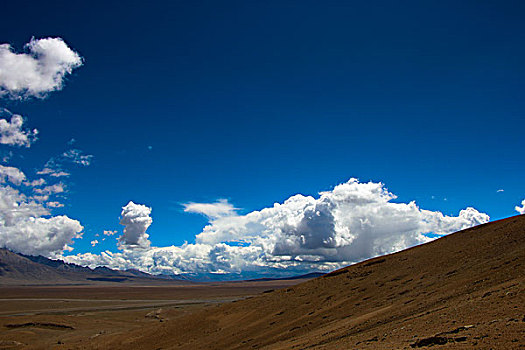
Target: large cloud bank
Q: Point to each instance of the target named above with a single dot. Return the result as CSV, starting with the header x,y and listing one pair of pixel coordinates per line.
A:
x,y
40,70
352,222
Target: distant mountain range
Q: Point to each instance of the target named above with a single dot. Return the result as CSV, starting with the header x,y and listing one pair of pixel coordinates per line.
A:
x,y
19,269
242,276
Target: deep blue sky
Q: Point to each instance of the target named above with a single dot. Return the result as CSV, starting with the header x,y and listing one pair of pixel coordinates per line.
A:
x,y
254,101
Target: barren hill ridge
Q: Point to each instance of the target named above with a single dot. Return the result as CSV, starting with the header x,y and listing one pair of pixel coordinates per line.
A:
x,y
464,291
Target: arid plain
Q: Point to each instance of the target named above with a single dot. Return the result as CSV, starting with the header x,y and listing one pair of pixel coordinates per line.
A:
x,y
463,291
43,317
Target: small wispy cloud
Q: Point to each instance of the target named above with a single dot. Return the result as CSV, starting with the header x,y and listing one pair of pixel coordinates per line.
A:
x,y
55,166
35,183
54,204
6,156
51,190
221,208
76,156
53,172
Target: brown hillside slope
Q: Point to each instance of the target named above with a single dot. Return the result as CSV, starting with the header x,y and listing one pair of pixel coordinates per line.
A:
x,y
15,269
463,291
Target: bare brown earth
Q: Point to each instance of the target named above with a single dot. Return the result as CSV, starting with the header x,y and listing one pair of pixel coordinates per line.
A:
x,y
463,291
72,316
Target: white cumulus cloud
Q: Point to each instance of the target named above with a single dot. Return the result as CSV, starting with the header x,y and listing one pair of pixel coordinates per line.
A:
x,y
353,222
521,209
11,174
136,219
12,132
27,227
39,70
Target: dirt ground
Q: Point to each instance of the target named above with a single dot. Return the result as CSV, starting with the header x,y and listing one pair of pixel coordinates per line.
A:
x,y
64,317
464,291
